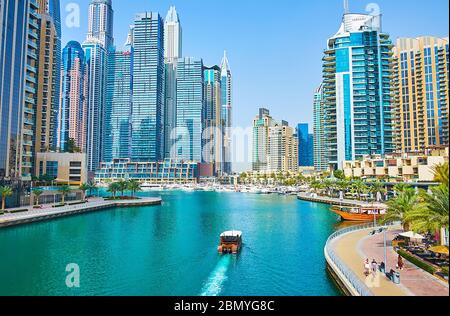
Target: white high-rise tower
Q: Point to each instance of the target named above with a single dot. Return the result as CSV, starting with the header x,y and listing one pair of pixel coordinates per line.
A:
x,y
172,52
226,95
172,36
100,27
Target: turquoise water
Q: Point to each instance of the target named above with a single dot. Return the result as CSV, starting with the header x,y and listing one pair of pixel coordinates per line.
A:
x,y
172,249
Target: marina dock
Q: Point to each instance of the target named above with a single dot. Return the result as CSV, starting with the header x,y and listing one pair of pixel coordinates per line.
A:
x,y
48,213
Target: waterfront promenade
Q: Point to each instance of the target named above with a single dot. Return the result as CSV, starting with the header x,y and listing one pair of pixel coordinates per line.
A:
x,y
354,247
47,212
335,201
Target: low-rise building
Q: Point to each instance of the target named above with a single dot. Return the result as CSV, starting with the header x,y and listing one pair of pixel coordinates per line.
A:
x,y
169,171
408,167
65,168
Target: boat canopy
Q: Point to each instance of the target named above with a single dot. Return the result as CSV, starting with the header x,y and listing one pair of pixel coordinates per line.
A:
x,y
232,233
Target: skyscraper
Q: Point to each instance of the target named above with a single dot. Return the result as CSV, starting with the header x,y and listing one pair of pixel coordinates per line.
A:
x,y
96,59
173,37
49,74
320,161
73,106
305,146
98,42
261,125
190,102
19,49
100,23
117,140
421,93
282,148
212,120
227,106
147,118
172,52
356,87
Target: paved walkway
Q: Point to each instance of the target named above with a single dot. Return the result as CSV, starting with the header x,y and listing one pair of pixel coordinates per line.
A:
x,y
355,247
48,210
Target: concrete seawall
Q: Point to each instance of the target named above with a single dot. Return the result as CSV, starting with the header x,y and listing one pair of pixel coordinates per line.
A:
x,y
31,216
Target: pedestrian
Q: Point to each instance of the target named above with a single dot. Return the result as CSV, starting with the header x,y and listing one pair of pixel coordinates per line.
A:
x,y
400,263
374,266
366,267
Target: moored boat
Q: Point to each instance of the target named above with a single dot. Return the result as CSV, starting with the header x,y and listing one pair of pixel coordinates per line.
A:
x,y
230,242
359,214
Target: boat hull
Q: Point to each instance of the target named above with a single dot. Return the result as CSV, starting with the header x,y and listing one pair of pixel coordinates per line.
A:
x,y
355,217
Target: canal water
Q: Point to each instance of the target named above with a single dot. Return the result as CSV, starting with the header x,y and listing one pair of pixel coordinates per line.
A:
x,y
172,249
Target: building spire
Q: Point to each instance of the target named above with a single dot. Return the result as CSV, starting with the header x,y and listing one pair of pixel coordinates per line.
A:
x,y
346,7
225,64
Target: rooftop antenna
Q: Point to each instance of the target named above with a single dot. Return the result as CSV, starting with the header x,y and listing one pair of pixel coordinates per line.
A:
x,y
346,9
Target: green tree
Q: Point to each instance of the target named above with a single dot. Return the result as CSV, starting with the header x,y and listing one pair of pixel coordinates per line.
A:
x,y
441,174
123,186
434,215
5,192
113,188
37,193
400,207
402,187
134,186
84,187
339,174
64,190
72,147
92,187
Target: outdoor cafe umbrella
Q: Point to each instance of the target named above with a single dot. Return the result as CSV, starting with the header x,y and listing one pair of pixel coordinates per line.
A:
x,y
443,250
412,235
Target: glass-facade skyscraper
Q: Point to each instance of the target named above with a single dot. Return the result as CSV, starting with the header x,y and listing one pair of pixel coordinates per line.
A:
x,y
356,87
19,49
305,146
227,107
189,109
73,106
212,138
98,42
173,50
117,140
147,119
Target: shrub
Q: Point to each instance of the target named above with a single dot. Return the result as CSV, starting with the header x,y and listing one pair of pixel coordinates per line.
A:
x,y
18,211
444,270
420,263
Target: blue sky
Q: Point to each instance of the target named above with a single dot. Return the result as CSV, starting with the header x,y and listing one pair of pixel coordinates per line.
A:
x,y
274,47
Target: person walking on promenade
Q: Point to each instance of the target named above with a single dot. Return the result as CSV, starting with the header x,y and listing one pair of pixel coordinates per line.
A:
x,y
366,267
374,266
400,263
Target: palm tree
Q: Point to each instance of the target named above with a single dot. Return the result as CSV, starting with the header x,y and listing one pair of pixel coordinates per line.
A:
x,y
401,187
37,193
377,187
5,192
359,187
92,187
114,188
134,186
441,174
400,207
123,185
434,215
84,187
64,190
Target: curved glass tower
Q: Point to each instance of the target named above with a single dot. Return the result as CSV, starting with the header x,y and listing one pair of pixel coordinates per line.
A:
x,y
356,88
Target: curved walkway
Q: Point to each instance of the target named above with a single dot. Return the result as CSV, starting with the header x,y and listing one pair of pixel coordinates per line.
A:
x,y
353,248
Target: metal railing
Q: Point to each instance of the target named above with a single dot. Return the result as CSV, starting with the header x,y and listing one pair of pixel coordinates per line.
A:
x,y
360,287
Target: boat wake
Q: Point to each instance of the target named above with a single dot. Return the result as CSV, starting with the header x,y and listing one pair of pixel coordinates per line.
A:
x,y
218,276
